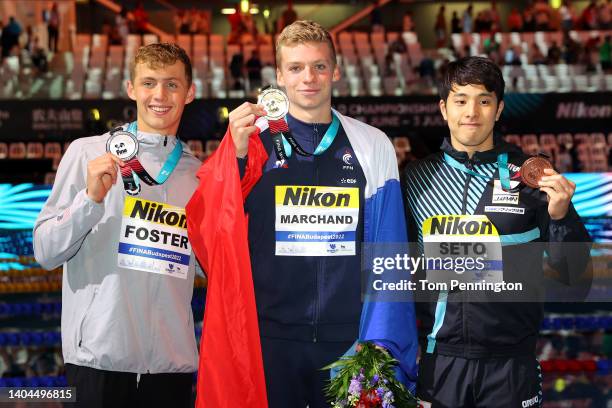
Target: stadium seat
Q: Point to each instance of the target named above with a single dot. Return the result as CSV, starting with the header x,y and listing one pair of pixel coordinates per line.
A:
x,y
17,150
599,163
184,41
341,87
581,83
582,138
391,86
549,152
531,150
515,139
584,156
563,162
528,140
598,139
268,75
565,139
548,139
52,150
34,150
598,151
375,86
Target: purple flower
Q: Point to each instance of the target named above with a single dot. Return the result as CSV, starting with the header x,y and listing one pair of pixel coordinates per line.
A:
x,y
375,379
387,400
354,387
381,392
388,395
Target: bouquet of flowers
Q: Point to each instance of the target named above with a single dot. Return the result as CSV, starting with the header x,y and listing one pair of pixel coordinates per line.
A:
x,y
366,380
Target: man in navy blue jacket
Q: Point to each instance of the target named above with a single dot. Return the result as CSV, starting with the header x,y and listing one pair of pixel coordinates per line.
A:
x,y
318,199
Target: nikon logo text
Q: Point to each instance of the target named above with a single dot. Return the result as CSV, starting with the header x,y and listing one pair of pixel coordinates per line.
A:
x,y
155,212
455,226
309,196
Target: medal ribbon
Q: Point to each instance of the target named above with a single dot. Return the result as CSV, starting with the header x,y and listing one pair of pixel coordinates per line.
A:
x,y
134,171
284,142
502,166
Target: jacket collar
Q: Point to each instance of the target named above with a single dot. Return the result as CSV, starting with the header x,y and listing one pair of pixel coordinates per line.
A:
x,y
488,156
304,130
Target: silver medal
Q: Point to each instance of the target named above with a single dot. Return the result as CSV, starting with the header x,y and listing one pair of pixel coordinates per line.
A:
x,y
275,103
122,144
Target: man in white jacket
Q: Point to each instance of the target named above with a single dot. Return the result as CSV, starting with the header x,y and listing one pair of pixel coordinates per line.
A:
x,y
118,227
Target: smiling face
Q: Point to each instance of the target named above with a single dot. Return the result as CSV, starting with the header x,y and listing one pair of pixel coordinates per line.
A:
x,y
161,95
471,112
307,71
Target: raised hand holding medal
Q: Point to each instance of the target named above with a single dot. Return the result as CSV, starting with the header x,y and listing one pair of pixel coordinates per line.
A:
x,y
270,104
124,145
276,104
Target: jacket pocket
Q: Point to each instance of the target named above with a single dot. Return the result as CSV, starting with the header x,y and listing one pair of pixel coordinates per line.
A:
x,y
85,314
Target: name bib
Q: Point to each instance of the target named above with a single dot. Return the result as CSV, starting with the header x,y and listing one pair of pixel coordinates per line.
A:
x,y
466,248
316,220
154,238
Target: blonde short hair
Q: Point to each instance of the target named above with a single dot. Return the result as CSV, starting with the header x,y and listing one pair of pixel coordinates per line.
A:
x,y
159,55
303,31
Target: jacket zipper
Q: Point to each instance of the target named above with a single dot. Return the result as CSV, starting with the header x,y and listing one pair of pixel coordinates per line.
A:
x,y
469,165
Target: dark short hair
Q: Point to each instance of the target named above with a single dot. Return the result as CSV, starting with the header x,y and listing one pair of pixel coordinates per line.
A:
x,y
472,71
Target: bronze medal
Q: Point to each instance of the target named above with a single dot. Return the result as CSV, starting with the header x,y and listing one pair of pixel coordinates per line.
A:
x,y
533,170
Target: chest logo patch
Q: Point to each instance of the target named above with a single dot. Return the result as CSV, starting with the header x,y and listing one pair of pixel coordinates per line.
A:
x,y
505,197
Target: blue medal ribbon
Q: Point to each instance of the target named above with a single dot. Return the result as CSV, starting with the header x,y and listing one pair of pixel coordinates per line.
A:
x,y
326,141
134,171
502,166
167,168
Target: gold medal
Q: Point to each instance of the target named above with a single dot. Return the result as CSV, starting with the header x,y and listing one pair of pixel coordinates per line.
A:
x,y
275,102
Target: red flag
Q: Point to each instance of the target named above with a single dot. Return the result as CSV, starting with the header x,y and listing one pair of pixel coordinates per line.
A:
x,y
231,367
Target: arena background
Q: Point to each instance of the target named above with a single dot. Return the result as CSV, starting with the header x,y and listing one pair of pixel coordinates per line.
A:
x,y
390,53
